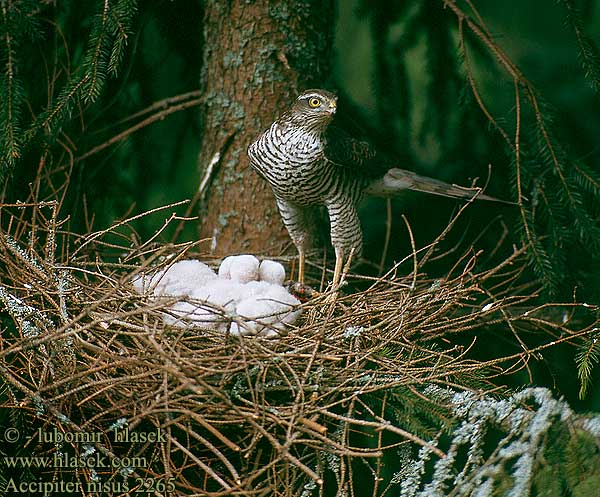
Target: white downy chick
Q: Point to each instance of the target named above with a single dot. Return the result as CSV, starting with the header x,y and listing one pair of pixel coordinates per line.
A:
x,y
181,278
286,302
256,288
271,272
200,312
237,289
224,268
188,314
224,293
244,268
253,313
266,314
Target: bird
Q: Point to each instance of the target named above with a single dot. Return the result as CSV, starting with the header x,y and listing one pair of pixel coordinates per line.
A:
x,y
309,162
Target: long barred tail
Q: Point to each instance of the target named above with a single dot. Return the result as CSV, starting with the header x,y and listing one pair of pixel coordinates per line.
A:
x,y
397,180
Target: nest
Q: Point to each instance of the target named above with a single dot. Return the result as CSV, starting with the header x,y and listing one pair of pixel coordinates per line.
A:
x,y
90,370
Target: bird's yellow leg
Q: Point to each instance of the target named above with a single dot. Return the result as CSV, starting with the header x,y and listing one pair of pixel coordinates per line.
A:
x,y
301,266
337,275
337,272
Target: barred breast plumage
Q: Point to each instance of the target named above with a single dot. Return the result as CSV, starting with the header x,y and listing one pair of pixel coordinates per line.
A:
x,y
293,161
308,163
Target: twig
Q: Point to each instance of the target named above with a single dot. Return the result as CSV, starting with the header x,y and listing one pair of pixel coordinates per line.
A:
x,y
414,253
149,120
94,236
388,234
201,192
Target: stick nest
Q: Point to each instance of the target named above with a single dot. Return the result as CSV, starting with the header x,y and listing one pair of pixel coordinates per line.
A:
x,y
83,353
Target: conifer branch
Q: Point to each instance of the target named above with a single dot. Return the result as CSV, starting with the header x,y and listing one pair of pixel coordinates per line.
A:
x,y
96,57
473,85
61,108
516,464
88,81
549,227
588,50
586,359
11,92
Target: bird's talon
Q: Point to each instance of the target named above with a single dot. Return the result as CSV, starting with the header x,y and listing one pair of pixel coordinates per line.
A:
x,y
302,291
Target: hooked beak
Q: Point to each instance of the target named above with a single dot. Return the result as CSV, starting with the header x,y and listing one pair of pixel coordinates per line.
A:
x,y
332,106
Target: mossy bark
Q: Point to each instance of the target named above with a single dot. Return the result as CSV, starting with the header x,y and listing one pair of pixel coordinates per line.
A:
x,y
258,55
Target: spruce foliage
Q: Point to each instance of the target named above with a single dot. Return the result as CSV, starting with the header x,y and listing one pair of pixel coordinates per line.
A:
x,y
587,358
527,444
81,79
589,54
20,25
110,28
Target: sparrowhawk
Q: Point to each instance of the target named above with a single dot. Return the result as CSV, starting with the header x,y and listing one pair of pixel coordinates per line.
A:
x,y
309,163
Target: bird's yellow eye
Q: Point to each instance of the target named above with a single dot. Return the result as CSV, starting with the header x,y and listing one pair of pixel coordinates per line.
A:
x,y
314,102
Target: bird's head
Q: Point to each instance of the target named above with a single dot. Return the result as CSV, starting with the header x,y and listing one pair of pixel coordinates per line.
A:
x,y
313,109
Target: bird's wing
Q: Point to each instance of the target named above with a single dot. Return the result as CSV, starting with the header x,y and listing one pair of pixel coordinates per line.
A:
x,y
351,154
387,179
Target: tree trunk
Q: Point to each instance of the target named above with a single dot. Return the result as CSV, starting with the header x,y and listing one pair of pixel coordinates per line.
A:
x,y
257,55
